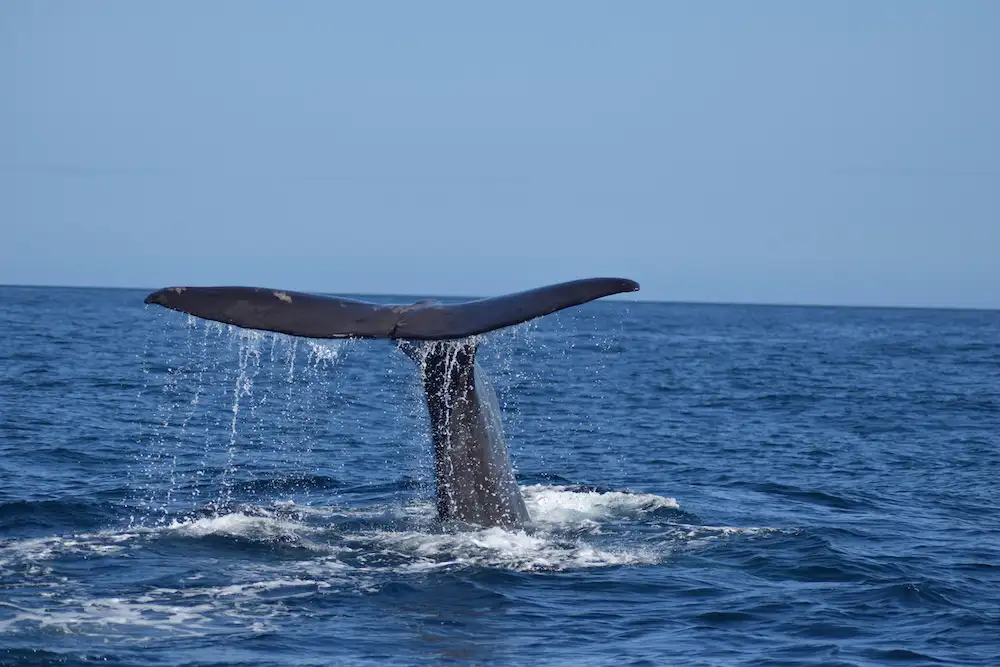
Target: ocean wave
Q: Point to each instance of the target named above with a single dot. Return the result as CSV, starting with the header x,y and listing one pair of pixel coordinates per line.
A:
x,y
48,514
514,550
569,505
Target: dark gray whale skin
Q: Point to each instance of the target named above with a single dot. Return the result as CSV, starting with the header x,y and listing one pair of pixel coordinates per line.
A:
x,y
472,470
474,478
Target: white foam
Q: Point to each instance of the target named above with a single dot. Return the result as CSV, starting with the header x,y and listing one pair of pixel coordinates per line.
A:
x,y
99,616
266,528
696,535
226,609
495,547
249,589
33,550
564,505
243,601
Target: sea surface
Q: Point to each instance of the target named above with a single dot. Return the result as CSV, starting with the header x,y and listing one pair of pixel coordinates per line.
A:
x,y
709,485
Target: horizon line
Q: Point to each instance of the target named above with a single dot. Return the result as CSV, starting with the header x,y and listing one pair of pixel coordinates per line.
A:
x,y
617,297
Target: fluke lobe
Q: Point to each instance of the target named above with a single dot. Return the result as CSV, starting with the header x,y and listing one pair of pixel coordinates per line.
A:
x,y
474,477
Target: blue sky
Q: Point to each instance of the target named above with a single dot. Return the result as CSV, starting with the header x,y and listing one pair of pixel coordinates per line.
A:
x,y
792,152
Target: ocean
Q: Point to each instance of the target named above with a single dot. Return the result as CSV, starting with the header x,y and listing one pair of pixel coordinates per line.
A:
x,y
708,485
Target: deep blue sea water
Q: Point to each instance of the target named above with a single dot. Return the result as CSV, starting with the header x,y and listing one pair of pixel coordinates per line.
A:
x,y
709,485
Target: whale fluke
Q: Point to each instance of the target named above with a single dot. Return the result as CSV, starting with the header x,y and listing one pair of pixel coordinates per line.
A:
x,y
315,316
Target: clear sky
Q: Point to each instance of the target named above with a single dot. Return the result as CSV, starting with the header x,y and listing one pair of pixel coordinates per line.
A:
x,y
843,152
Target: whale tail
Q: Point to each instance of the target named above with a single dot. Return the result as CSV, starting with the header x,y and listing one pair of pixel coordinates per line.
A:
x,y
474,478
317,316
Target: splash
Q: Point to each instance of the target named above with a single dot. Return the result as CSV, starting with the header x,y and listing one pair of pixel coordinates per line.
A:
x,y
565,504
264,407
248,368
254,527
